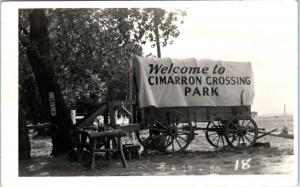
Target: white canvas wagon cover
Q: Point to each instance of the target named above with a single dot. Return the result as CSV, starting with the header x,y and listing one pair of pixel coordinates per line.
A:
x,y
168,82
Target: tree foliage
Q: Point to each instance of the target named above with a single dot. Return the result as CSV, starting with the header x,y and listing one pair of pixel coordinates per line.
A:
x,y
93,58
161,26
91,48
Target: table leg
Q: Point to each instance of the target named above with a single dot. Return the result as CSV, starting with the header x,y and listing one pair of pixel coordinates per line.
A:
x,y
92,152
107,146
79,147
129,154
121,152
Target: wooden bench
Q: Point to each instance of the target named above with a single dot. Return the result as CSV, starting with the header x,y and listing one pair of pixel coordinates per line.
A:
x,y
102,139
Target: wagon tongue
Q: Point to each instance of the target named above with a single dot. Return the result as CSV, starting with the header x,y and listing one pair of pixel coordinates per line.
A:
x,y
265,133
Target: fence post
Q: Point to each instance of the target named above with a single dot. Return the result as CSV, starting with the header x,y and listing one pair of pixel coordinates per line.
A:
x,y
73,116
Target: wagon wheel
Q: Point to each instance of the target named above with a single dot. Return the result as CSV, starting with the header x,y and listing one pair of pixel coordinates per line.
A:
x,y
241,132
171,131
215,134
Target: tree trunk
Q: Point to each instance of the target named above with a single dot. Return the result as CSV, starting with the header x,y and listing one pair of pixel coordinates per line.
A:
x,y
157,35
38,53
24,143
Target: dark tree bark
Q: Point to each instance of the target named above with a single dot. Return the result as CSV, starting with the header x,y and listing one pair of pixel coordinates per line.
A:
x,y
24,143
157,35
38,54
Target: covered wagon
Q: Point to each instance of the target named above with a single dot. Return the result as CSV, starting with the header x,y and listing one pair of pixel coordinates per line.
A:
x,y
173,95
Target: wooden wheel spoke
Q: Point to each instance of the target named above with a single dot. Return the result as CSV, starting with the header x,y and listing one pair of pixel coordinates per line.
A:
x,y
168,140
213,133
243,140
218,140
248,139
239,141
236,126
250,134
233,139
229,138
215,138
182,138
249,129
240,124
173,145
178,143
246,127
183,133
222,141
213,124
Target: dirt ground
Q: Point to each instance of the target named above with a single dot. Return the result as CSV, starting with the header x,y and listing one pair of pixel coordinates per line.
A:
x,y
196,163
200,159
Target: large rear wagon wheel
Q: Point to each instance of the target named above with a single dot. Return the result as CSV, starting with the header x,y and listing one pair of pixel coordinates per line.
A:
x,y
215,134
171,131
241,132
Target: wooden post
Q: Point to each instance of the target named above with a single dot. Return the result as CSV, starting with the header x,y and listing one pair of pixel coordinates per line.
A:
x,y
78,146
111,113
73,116
156,31
92,152
131,96
130,90
121,152
105,121
107,146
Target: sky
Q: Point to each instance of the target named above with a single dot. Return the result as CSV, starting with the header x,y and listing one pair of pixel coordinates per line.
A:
x,y
264,33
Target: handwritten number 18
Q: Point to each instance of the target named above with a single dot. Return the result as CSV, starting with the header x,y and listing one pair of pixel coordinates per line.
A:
x,y
244,164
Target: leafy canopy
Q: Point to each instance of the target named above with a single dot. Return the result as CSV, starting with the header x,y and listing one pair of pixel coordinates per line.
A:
x,y
91,48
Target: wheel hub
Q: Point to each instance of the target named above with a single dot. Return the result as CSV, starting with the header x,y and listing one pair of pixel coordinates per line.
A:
x,y
242,132
173,131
